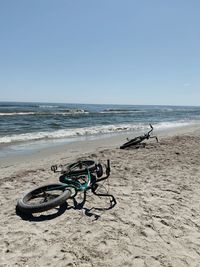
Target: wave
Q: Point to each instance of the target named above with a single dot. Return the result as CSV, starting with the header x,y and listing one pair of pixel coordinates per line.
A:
x,y
91,131
16,113
174,124
75,111
65,112
121,110
178,109
48,106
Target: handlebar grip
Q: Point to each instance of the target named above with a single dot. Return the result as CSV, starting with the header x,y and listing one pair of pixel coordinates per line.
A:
x,y
108,167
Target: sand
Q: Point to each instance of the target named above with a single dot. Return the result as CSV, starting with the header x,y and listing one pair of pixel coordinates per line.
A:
x,y
156,221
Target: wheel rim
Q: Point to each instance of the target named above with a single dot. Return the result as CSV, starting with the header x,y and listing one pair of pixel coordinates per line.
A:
x,y
43,195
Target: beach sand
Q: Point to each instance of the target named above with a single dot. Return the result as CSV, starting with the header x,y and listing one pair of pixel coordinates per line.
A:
x,y
156,221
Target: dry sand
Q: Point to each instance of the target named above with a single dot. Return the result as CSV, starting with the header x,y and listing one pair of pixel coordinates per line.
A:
x,y
156,221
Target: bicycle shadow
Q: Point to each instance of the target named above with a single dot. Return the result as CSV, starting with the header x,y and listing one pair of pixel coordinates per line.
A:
x,y
88,212
42,217
60,210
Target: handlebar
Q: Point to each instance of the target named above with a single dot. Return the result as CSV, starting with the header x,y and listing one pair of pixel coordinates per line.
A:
x,y
150,130
147,135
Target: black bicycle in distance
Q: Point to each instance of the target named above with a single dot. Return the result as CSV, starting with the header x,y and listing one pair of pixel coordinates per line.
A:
x,y
137,141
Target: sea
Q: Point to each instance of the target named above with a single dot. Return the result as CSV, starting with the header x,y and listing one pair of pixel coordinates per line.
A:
x,y
32,125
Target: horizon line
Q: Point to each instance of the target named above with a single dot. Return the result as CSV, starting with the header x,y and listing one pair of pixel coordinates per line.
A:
x,y
78,103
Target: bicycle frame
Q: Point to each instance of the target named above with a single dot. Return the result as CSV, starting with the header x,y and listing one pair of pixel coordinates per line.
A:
x,y
72,180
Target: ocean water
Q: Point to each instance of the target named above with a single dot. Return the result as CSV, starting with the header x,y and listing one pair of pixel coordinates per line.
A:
x,y
31,123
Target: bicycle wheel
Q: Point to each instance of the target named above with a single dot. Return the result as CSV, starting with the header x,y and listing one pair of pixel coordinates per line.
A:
x,y
44,198
81,167
132,142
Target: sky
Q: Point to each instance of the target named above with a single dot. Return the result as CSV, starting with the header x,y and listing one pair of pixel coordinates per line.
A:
x,y
100,51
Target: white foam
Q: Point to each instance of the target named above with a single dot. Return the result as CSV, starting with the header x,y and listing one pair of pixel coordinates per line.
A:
x,y
68,133
91,131
112,111
64,113
173,124
17,113
48,106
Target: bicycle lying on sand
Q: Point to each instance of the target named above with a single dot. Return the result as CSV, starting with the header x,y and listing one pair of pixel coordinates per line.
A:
x,y
136,142
79,176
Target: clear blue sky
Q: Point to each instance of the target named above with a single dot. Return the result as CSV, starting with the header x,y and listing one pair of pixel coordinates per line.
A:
x,y
100,51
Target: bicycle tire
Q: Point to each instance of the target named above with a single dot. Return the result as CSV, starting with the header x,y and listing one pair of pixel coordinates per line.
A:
x,y
25,205
99,170
132,142
88,165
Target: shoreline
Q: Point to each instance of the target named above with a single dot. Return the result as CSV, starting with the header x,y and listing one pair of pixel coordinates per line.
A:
x,y
88,145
